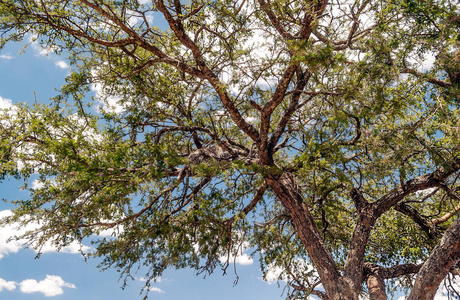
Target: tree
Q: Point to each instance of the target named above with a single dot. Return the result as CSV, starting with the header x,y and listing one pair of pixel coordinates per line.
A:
x,y
312,131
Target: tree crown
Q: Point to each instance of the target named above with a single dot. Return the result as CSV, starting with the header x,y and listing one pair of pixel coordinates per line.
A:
x,y
314,132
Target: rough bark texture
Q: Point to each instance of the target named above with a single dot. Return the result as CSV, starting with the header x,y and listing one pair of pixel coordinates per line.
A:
x,y
376,287
349,285
438,265
286,190
353,269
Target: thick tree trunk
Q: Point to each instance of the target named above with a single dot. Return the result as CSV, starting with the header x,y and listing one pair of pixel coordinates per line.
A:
x,y
376,287
286,190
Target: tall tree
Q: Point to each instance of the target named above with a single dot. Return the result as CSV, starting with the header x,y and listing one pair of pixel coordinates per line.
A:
x,y
323,134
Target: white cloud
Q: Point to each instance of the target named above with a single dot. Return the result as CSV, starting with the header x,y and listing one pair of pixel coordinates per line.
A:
x,y
273,274
50,286
442,294
110,102
111,231
426,63
429,61
7,285
300,267
73,248
241,259
41,50
5,233
251,120
61,64
5,103
423,193
37,184
48,51
13,246
156,280
25,154
6,56
141,279
156,289
238,256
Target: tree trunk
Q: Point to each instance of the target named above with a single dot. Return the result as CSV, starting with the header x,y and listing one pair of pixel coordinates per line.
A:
x,y
376,287
285,188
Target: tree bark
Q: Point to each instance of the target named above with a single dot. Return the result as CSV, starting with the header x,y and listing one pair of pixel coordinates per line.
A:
x,y
376,287
286,190
435,269
375,277
368,213
353,269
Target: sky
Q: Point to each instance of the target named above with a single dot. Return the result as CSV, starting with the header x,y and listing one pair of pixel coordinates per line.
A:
x,y
34,76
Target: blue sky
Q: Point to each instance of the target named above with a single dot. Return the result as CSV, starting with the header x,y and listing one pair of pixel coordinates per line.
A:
x,y
36,74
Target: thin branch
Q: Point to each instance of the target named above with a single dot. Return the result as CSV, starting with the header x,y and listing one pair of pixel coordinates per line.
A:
x,y
302,81
432,80
426,225
357,135
453,212
248,208
133,216
179,31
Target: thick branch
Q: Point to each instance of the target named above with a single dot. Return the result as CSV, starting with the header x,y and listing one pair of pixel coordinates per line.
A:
x,y
302,80
375,276
280,91
133,38
425,225
179,31
416,184
437,266
376,287
355,257
358,133
267,111
391,272
274,20
369,215
285,188
450,214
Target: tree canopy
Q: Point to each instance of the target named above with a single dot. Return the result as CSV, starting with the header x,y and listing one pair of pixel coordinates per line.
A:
x,y
324,135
